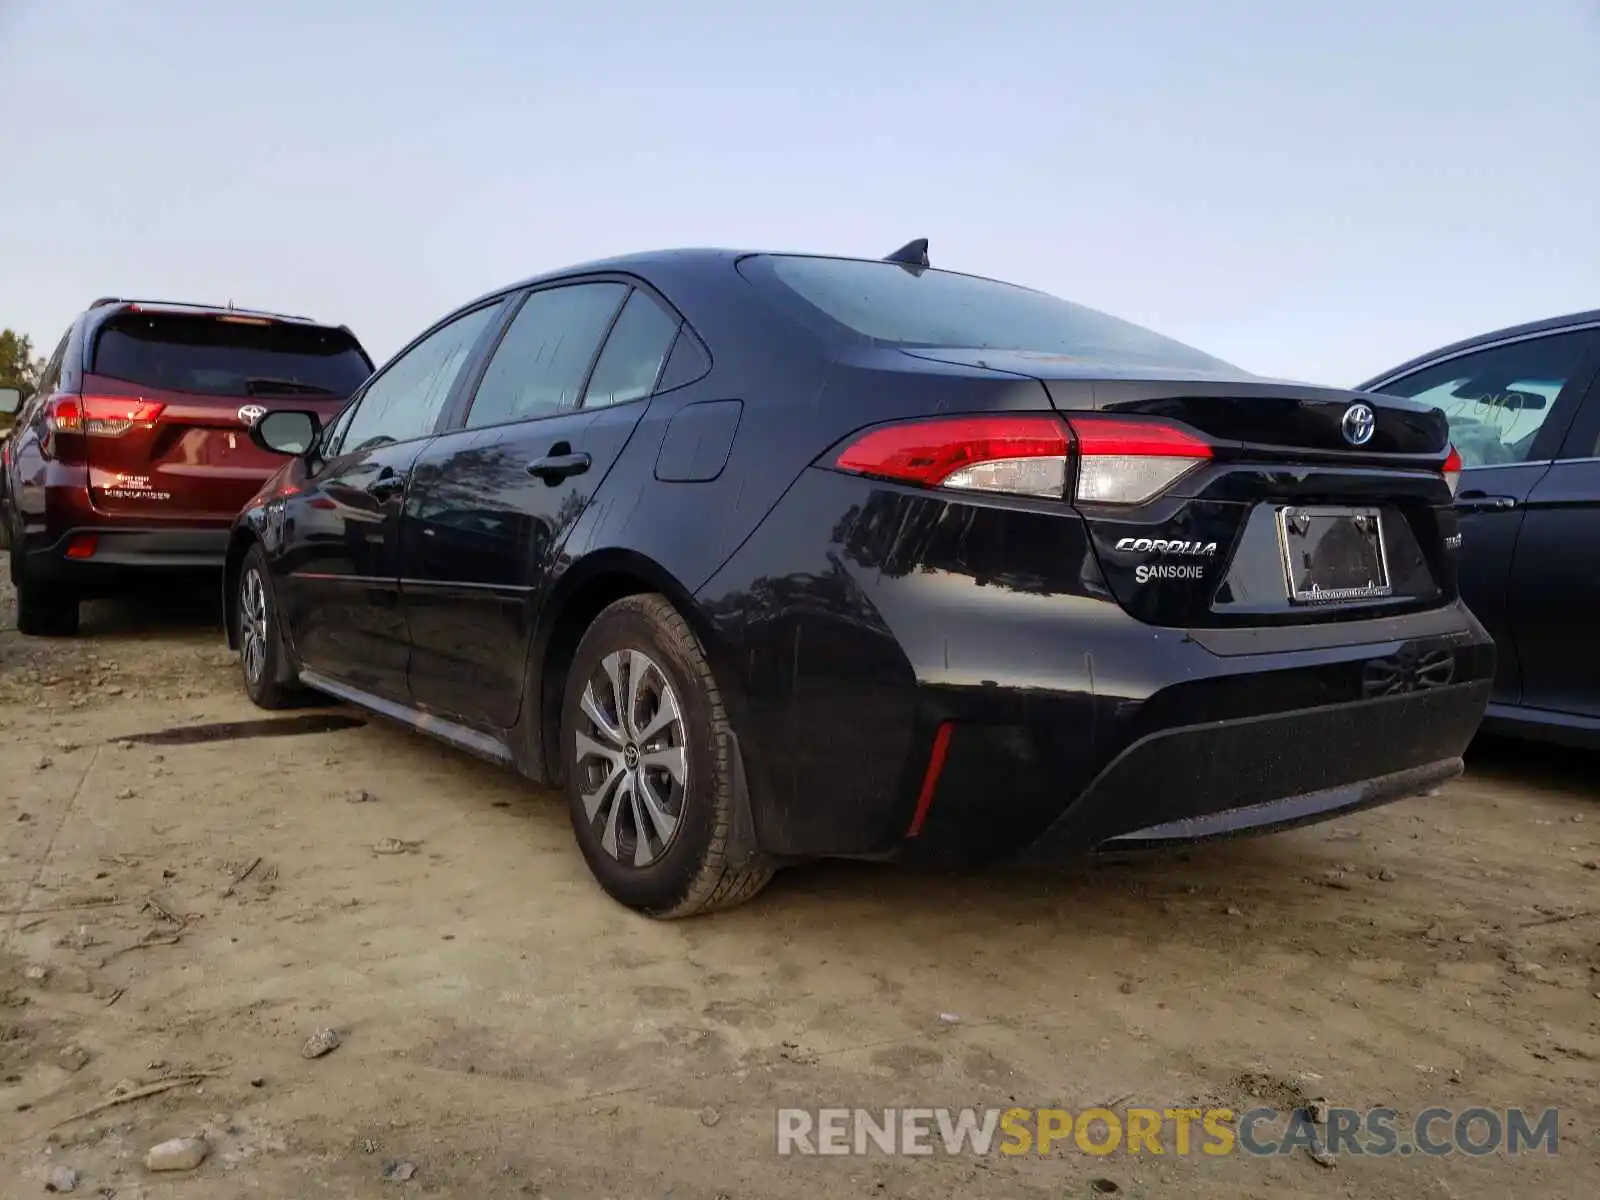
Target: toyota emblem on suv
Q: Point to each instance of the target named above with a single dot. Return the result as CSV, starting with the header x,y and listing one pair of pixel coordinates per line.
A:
x,y
251,413
1358,424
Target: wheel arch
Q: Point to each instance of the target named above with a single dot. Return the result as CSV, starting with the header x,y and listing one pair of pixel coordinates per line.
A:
x,y
584,590
239,543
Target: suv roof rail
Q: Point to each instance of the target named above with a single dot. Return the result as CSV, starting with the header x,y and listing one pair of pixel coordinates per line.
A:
x,y
105,300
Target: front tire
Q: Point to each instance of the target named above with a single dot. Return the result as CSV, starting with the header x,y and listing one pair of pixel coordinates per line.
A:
x,y
268,674
649,764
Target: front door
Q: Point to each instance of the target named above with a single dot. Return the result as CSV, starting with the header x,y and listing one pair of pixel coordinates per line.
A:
x,y
492,503
1555,577
1509,407
340,576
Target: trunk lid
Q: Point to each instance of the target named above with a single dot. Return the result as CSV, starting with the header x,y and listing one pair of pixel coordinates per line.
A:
x,y
170,397
1306,504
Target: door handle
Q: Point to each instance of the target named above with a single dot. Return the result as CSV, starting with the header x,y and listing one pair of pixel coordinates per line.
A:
x,y
553,468
1478,502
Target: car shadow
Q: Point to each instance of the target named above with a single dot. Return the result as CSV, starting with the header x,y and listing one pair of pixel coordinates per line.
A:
x,y
1517,762
196,610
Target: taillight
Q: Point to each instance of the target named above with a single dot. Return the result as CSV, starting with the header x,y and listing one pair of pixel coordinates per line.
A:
x,y
1020,454
1452,470
1128,460
100,416
1120,460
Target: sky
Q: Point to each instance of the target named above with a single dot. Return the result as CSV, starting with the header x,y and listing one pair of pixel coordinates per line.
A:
x,y
1314,191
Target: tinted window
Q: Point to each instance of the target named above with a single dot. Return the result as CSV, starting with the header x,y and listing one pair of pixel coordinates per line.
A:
x,y
1498,400
901,307
228,356
540,365
405,401
631,361
687,362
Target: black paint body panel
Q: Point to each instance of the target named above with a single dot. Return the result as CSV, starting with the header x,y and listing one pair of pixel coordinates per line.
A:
x,y
848,619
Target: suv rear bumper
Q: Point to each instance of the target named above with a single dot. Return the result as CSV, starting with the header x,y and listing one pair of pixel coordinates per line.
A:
x,y
121,553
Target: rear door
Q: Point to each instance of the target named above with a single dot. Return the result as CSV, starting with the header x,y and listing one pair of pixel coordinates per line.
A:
x,y
1509,408
1555,576
491,504
340,573
169,397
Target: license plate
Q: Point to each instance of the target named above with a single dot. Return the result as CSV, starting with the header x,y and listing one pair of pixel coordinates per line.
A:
x,y
1333,554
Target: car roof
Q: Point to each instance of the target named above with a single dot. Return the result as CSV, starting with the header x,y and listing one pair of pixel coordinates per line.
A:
x,y
665,264
1527,329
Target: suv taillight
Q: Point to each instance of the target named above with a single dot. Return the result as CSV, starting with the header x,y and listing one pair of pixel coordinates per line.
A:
x,y
100,416
1120,460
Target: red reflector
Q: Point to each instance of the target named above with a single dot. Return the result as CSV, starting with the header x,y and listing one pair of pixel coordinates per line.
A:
x,y
83,546
930,452
1138,438
930,781
1452,469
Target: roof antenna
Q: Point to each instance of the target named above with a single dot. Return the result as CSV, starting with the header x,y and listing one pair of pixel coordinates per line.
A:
x,y
912,254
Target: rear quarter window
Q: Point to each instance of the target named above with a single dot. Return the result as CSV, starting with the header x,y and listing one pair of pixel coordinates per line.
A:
x,y
228,356
920,307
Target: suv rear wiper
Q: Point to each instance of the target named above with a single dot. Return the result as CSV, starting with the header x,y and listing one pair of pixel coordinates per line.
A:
x,y
254,387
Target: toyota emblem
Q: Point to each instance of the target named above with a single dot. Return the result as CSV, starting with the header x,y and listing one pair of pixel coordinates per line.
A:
x,y
1358,424
251,413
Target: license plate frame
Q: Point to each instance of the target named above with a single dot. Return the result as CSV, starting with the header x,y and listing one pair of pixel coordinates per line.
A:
x,y
1295,525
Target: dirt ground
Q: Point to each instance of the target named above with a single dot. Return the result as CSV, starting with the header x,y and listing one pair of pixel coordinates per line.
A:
x,y
508,1031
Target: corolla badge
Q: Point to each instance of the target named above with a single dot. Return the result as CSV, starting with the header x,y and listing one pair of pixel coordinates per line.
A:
x,y
251,413
1358,424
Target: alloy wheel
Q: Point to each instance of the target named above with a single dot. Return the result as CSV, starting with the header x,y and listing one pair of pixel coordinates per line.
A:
x,y
631,758
253,624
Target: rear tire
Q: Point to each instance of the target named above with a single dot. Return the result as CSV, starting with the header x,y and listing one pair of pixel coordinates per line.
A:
x,y
269,676
43,610
659,769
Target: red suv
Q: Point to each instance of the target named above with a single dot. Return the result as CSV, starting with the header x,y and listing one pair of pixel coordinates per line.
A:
x,y
132,459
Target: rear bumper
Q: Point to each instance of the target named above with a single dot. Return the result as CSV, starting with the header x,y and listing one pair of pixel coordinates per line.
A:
x,y
949,679
1262,774
119,554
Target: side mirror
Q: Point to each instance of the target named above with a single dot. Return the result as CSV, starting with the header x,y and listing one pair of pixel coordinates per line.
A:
x,y
285,432
10,401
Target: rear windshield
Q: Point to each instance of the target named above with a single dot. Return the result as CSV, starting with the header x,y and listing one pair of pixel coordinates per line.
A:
x,y
925,308
228,357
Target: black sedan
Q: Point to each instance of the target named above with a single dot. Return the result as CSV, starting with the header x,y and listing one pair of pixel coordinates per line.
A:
x,y
1524,412
765,557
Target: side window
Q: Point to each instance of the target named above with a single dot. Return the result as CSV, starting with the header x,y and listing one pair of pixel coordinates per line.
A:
x,y
335,432
631,361
540,365
686,364
1498,400
405,401
52,370
47,383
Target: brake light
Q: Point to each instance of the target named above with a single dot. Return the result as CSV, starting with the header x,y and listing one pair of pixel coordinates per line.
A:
x,y
1452,470
1128,460
1020,454
100,416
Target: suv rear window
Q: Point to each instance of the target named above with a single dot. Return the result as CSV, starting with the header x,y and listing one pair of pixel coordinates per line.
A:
x,y
228,356
910,308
